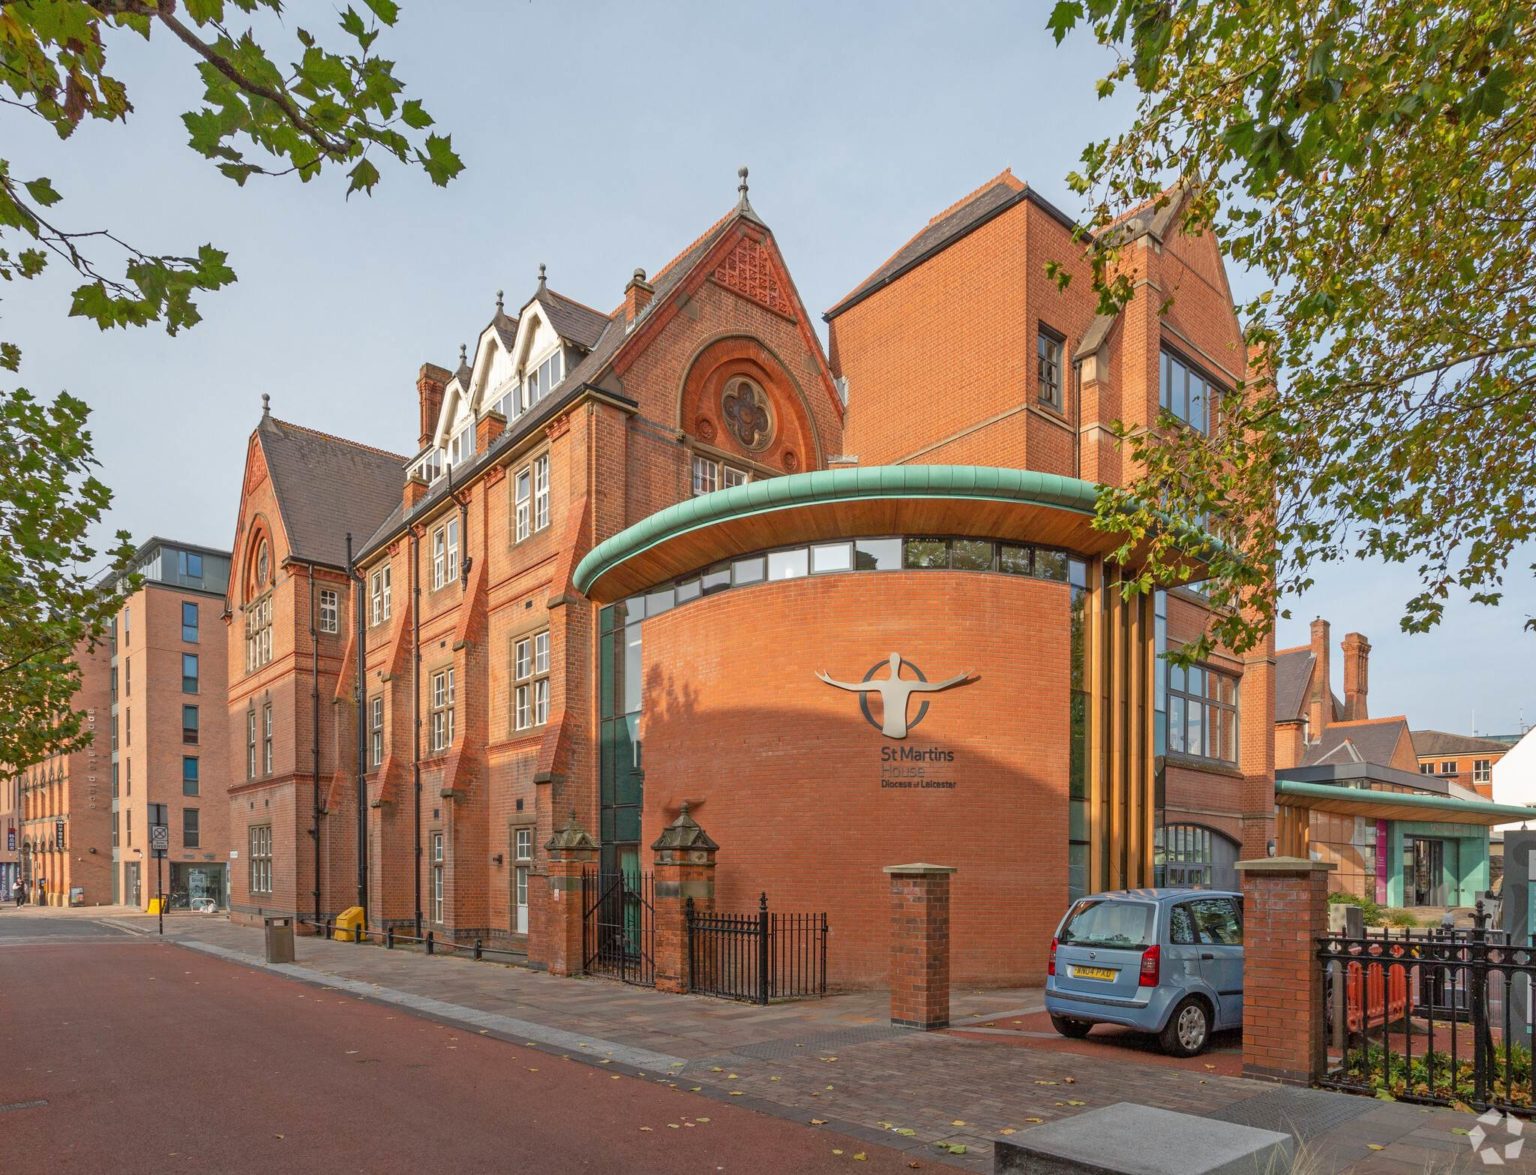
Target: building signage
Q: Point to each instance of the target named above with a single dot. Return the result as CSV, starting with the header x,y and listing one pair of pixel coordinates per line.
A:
x,y
896,694
58,834
10,839
159,838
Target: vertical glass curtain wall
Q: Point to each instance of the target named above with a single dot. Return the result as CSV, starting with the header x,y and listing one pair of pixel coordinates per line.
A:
x,y
622,778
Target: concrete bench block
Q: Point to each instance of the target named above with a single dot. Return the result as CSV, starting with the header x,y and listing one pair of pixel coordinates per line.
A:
x,y
1127,1139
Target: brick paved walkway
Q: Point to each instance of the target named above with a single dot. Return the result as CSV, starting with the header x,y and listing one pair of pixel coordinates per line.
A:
x,y
837,1061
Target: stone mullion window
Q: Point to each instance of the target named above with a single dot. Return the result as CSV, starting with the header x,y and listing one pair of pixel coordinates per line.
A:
x,y
530,675
442,710
1202,713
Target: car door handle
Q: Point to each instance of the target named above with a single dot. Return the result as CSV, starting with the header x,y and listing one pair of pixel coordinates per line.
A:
x,y
1207,954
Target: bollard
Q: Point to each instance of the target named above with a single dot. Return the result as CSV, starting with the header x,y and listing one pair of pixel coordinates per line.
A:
x,y
389,938
477,949
429,942
357,934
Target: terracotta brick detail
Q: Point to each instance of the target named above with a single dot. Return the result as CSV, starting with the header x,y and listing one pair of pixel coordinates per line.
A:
x,y
920,945
1285,911
562,945
749,271
685,869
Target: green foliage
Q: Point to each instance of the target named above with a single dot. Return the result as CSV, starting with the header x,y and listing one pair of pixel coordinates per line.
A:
x,y
1440,1076
1400,918
1375,162
49,604
339,108
1370,913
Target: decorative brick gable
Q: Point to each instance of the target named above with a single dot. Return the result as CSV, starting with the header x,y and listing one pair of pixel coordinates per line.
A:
x,y
749,271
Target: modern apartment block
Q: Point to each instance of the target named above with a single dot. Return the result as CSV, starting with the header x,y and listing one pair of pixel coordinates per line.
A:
x,y
63,807
169,748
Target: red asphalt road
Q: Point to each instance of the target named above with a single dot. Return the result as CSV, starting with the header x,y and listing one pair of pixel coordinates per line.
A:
x,y
156,1059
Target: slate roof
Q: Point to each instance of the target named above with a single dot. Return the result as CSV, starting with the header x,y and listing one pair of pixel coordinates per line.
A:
x,y
1370,740
326,486
1440,742
605,335
1293,671
990,200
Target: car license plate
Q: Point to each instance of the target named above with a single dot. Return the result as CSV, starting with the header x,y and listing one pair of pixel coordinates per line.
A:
x,y
1093,973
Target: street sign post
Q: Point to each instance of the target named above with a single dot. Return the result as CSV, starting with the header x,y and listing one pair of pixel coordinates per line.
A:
x,y
159,844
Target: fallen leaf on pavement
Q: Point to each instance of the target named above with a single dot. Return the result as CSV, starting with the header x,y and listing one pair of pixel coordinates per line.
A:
x,y
958,1122
1008,1130
1069,1080
836,1152
818,1121
1039,1082
735,1093
859,1157
1374,1146
1034,1120
646,1128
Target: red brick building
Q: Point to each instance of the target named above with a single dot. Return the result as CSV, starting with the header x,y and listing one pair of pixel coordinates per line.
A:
x,y
630,543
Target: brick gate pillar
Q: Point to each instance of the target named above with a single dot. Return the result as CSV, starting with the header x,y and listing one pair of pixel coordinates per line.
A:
x,y
685,868
571,853
920,945
1285,912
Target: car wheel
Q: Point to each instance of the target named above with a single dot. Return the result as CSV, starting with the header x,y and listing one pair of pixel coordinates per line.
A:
x,y
1073,1029
1188,1030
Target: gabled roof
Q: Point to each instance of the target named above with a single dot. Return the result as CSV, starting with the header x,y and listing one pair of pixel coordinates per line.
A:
x,y
326,486
992,199
1440,742
1293,672
505,326
572,320
1369,740
604,335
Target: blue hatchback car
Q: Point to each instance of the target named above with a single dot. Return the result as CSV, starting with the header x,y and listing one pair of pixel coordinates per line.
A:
x,y
1168,961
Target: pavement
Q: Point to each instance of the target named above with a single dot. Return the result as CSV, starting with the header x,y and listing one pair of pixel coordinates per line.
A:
x,y
836,1063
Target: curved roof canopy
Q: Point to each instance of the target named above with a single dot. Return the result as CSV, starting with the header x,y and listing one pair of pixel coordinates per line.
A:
x,y
966,500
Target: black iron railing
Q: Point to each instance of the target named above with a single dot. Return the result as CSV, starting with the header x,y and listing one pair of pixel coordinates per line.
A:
x,y
1437,1017
757,957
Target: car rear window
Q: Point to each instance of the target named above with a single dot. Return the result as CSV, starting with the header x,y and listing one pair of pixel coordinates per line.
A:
x,y
1106,922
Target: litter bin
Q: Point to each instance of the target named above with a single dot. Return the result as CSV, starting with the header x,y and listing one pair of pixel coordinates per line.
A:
x,y
279,940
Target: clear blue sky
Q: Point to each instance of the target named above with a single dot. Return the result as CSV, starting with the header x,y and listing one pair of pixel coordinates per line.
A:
x,y
598,137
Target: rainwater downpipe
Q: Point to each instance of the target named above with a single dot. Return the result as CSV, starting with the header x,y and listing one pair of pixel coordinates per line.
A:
x,y
314,729
416,708
360,629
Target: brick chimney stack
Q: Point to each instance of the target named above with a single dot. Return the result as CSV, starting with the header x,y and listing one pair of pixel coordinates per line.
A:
x,y
637,296
431,383
1320,700
1357,659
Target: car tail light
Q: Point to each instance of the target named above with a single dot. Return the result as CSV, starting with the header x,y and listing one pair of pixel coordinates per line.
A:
x,y
1050,968
1151,966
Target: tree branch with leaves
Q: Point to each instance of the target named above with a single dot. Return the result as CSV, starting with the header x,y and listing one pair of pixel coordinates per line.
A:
x,y
1374,163
328,107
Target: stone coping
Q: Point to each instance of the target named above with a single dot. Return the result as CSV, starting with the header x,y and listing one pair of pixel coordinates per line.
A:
x,y
919,868
1285,865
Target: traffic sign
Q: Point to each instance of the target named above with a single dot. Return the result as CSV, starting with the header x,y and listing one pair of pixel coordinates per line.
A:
x,y
159,837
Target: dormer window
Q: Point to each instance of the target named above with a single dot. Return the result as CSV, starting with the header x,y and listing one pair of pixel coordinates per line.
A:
x,y
462,447
541,380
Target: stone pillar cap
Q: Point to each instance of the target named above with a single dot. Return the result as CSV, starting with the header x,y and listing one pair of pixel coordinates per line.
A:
x,y
683,833
571,838
919,868
1285,865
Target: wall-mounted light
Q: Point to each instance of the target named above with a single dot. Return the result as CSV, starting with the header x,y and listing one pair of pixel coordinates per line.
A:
x,y
1270,848
497,858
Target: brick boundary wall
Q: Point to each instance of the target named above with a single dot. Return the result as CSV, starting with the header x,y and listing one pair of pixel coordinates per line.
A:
x,y
1285,911
920,945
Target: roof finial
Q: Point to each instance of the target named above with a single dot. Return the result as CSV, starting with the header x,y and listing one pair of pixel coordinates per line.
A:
x,y
266,404
463,355
498,301
742,203
541,275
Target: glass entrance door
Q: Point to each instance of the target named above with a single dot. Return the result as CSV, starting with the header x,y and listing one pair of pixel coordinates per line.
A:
x,y
1426,878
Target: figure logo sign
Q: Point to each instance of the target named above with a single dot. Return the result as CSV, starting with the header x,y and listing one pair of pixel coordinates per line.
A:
x,y
895,693
1492,1155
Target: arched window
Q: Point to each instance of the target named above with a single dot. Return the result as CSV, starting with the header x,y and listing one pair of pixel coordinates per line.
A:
x,y
1192,855
258,607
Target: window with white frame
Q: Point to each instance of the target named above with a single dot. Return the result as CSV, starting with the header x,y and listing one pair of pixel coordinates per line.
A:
x,y
1448,767
437,877
731,476
378,595
1426,768
250,744
260,844
376,729
266,739
706,475
258,634
442,710
330,611
541,491
445,554
522,499
522,855
462,447
541,380
1482,770
530,676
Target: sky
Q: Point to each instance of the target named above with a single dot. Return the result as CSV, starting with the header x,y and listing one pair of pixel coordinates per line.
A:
x,y
598,137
